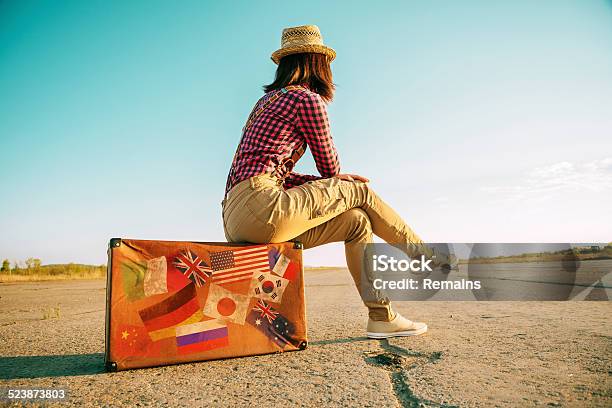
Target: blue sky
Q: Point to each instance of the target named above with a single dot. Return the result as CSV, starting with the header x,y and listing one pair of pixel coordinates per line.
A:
x,y
478,121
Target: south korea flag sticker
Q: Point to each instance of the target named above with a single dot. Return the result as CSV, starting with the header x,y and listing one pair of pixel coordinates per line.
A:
x,y
268,286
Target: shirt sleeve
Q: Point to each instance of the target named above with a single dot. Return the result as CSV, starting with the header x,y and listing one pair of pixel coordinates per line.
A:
x,y
313,123
296,179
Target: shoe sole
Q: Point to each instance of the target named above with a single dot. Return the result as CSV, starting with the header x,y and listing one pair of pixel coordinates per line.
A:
x,y
372,335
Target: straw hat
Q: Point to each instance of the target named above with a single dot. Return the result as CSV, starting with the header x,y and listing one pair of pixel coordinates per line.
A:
x,y
295,40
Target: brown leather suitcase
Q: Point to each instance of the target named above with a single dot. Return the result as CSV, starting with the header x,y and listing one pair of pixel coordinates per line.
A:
x,y
171,302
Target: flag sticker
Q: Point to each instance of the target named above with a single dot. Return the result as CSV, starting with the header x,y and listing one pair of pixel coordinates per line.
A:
x,y
131,341
265,310
193,267
172,310
133,274
281,265
201,336
273,325
170,332
269,287
155,278
226,305
239,265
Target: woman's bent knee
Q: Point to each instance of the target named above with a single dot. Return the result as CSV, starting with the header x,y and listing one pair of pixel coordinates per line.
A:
x,y
360,224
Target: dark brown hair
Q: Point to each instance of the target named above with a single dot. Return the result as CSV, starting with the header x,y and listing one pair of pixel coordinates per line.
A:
x,y
307,68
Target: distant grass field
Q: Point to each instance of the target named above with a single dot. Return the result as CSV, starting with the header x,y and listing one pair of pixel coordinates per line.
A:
x,y
55,272
74,271
580,253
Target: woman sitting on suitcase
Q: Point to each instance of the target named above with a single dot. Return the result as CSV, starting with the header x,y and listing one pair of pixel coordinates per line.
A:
x,y
267,202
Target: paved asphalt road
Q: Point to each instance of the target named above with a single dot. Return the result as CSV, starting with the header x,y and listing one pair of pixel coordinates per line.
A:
x,y
503,354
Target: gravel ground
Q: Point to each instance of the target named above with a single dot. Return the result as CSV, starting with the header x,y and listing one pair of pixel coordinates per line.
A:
x,y
504,354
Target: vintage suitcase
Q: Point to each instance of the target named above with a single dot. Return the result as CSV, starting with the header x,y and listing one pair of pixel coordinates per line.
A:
x,y
174,302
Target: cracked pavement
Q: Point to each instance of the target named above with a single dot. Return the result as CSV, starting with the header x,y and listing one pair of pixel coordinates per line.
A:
x,y
502,354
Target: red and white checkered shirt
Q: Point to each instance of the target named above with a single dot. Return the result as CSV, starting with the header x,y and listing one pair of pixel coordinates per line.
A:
x,y
295,119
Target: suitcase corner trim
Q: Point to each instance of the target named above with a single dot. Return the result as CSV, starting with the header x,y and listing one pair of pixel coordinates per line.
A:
x,y
109,365
114,243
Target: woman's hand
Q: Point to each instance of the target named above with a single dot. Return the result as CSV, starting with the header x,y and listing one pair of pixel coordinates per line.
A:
x,y
352,177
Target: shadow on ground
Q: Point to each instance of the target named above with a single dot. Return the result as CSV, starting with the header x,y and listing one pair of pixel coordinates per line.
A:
x,y
338,341
398,361
51,366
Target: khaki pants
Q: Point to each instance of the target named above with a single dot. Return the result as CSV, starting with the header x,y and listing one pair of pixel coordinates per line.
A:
x,y
259,210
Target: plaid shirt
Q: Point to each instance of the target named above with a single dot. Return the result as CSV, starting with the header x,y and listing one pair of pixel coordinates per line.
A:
x,y
291,122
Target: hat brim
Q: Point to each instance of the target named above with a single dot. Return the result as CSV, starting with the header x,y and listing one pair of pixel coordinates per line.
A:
x,y
299,49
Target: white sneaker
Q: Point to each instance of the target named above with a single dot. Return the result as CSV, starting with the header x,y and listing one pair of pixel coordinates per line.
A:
x,y
398,327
